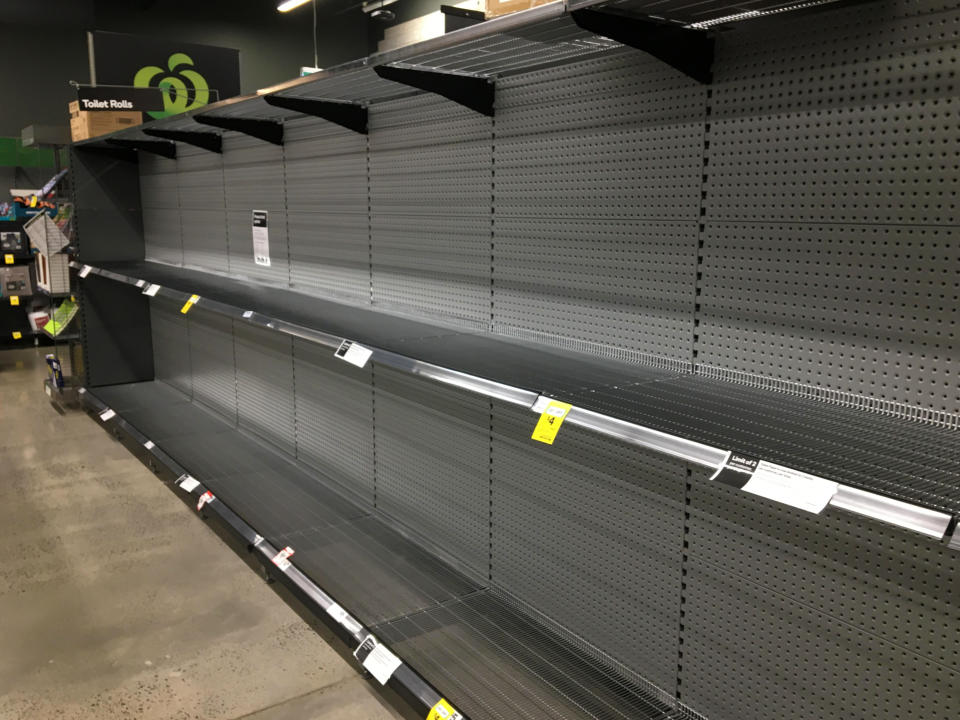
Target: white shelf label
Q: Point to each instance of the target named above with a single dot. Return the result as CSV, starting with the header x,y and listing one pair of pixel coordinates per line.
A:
x,y
353,353
377,659
188,483
149,445
247,314
107,414
84,271
204,499
791,487
280,559
141,283
261,238
151,290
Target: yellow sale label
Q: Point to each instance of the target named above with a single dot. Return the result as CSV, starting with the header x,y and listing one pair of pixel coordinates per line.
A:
x,y
550,421
189,304
14,299
17,335
443,711
8,259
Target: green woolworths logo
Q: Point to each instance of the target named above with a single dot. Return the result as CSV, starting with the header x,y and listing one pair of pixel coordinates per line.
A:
x,y
177,95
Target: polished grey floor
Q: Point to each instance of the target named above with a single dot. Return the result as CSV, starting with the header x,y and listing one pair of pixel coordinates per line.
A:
x,y
117,602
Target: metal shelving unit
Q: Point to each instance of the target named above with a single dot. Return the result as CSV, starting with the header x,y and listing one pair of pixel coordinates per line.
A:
x,y
898,471
696,542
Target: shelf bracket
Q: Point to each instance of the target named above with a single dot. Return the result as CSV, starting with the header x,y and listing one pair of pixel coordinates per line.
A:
x,y
206,141
470,91
689,51
269,130
352,116
157,147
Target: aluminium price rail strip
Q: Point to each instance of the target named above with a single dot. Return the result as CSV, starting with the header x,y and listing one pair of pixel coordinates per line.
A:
x,y
900,472
450,631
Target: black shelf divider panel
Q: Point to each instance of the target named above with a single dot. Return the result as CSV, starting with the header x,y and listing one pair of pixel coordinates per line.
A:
x,y
452,631
900,471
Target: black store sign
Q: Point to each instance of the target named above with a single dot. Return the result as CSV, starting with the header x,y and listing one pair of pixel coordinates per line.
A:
x,y
163,77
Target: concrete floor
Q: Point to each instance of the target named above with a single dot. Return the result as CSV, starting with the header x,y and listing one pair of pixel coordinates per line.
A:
x,y
117,602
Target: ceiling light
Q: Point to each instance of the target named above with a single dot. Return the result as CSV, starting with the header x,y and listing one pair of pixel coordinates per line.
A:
x,y
288,5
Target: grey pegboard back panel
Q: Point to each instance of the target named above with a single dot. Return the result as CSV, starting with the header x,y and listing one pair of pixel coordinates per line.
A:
x,y
433,463
253,179
617,283
590,533
265,394
334,419
859,308
430,200
752,653
330,254
618,136
202,215
325,173
160,200
213,364
895,585
827,255
596,211
325,167
171,345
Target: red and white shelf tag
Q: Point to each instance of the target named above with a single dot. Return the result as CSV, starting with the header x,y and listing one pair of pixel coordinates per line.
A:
x,y
280,559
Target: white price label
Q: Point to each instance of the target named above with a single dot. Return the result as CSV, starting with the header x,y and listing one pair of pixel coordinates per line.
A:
x,y
149,445
107,414
791,487
84,271
247,314
141,283
261,238
377,659
151,290
353,353
188,483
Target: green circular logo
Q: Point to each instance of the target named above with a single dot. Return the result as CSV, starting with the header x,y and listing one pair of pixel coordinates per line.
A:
x,y
178,96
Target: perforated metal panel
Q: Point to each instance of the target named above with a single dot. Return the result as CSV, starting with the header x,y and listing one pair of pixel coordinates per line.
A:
x,y
212,362
590,532
171,345
430,199
433,463
598,171
326,182
253,179
202,214
827,253
265,385
334,418
160,200
813,618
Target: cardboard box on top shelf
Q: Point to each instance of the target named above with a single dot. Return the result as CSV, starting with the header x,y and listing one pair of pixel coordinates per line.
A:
x,y
85,125
496,8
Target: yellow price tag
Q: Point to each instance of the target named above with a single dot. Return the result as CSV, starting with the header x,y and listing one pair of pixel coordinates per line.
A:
x,y
17,335
14,299
8,259
443,711
33,201
189,304
550,421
